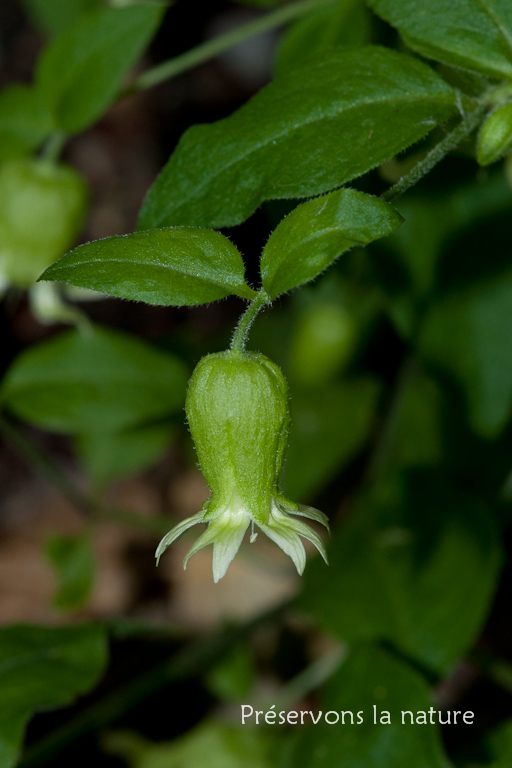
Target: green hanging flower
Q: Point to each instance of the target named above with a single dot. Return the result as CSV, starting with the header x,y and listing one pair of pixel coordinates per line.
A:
x,y
237,409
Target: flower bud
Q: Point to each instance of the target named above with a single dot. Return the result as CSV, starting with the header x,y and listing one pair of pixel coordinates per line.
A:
x,y
237,409
495,138
322,344
42,207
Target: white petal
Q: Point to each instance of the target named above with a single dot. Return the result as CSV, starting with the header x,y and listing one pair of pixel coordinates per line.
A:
x,y
225,548
205,538
226,533
304,530
311,513
176,532
288,540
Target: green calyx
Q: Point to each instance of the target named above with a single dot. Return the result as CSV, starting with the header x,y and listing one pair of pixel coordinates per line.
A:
x,y
237,409
237,404
42,209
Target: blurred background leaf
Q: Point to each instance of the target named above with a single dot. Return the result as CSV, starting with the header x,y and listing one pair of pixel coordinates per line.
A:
x,y
43,668
215,743
415,553
54,16
94,381
370,677
79,74
73,561
340,22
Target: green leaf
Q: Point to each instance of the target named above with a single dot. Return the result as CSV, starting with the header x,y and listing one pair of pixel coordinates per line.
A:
x,y
370,677
340,22
472,34
233,677
431,222
310,238
499,743
110,455
328,428
24,121
216,744
468,334
313,129
80,73
412,556
98,381
418,437
73,561
179,266
43,668
54,16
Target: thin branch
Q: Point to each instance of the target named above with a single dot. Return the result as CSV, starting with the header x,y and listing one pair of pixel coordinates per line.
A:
x,y
219,44
450,142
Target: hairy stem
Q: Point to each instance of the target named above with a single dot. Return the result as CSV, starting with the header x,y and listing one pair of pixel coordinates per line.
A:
x,y
212,48
450,142
247,319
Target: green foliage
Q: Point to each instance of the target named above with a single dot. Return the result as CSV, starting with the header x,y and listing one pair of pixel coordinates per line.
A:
x,y
79,74
213,743
468,334
431,223
500,745
310,238
179,265
371,677
42,210
398,363
233,677
418,437
285,142
54,16
42,668
340,22
98,381
108,456
24,121
73,561
395,571
329,427
470,34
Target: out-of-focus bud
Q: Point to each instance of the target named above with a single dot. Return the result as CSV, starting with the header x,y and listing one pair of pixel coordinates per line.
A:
x,y
322,344
495,137
42,209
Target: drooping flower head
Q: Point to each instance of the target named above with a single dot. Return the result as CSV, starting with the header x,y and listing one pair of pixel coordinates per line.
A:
x,y
237,410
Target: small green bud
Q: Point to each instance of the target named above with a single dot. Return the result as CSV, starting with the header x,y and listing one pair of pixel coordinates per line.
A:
x,y
237,410
322,344
42,208
495,137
